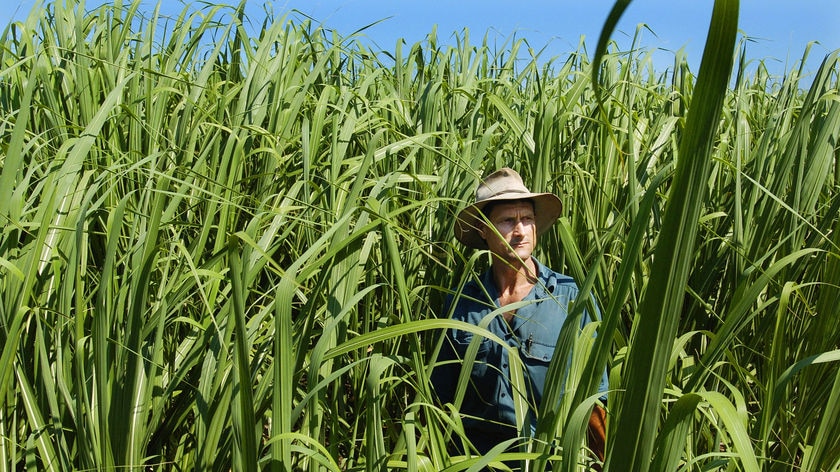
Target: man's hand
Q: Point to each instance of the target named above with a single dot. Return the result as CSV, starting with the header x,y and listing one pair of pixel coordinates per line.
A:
x,y
596,434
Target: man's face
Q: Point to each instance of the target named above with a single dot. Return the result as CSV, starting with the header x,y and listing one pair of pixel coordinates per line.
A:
x,y
517,227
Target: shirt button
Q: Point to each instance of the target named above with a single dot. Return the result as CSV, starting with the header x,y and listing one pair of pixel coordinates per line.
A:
x,y
504,365
503,395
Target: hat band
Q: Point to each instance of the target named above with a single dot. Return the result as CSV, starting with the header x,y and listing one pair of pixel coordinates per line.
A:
x,y
507,192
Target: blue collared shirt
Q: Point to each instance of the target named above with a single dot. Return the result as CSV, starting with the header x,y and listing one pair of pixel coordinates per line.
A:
x,y
534,329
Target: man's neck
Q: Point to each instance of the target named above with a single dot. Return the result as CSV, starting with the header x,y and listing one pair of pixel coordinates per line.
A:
x,y
509,277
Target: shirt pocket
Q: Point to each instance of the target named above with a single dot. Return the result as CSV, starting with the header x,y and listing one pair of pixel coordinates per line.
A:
x,y
536,351
462,340
538,341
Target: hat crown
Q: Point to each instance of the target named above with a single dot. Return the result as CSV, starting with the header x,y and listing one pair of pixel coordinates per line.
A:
x,y
505,181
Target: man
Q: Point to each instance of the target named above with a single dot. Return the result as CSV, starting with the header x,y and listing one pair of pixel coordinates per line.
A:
x,y
507,219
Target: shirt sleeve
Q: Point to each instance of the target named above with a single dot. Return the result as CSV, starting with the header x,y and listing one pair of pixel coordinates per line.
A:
x,y
445,372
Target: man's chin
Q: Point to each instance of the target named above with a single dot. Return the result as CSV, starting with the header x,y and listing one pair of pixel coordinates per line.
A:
x,y
517,255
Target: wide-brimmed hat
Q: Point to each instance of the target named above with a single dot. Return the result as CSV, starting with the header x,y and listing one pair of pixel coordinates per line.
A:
x,y
503,184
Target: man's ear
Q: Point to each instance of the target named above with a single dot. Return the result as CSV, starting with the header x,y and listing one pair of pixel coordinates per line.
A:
x,y
482,229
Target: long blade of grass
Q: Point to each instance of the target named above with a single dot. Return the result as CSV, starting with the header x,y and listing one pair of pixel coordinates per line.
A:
x,y
243,416
13,159
660,308
283,368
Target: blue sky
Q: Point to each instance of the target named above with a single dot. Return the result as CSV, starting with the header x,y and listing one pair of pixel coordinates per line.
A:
x,y
779,29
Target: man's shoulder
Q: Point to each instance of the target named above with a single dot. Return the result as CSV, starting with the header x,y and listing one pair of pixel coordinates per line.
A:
x,y
470,299
471,287
556,280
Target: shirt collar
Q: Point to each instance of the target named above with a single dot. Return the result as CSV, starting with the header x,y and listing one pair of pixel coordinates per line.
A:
x,y
546,281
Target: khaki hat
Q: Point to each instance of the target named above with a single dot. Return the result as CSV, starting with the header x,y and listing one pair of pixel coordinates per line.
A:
x,y
504,184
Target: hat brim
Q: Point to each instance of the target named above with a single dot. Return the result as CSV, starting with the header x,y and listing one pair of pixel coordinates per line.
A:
x,y
547,207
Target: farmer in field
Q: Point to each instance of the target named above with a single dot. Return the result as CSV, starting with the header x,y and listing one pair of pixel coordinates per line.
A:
x,y
507,219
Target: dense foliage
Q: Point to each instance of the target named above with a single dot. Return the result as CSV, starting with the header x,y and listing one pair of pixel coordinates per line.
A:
x,y
229,251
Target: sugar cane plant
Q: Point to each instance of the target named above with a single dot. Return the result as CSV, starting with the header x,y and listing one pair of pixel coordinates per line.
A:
x,y
226,241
